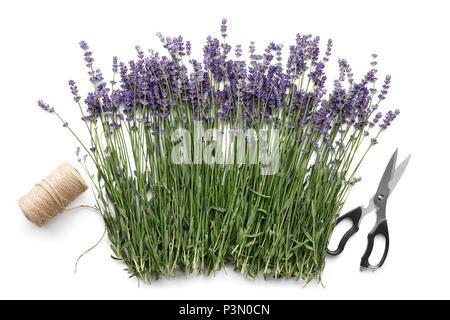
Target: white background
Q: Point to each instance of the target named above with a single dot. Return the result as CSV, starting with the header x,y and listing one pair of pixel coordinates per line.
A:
x,y
39,54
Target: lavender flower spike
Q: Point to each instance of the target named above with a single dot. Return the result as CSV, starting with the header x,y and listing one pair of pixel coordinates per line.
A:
x,y
223,28
84,45
44,106
115,65
74,90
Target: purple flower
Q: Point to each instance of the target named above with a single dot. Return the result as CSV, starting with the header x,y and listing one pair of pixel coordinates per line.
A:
x,y
389,117
84,45
355,181
252,48
377,118
115,65
74,90
65,124
328,51
188,48
87,54
370,76
140,53
238,51
44,106
386,86
223,28
152,88
374,62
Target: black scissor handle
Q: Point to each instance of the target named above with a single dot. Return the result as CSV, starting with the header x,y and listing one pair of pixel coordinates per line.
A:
x,y
355,216
380,229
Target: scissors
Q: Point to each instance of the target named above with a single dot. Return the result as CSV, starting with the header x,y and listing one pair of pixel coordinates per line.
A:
x,y
389,180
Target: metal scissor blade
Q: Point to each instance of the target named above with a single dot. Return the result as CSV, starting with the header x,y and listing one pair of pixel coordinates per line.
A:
x,y
383,188
370,206
398,174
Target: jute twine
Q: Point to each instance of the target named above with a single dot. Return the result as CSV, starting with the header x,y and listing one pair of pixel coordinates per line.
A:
x,y
52,195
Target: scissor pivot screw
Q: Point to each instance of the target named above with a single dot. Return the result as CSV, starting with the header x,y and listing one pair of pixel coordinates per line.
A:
x,y
380,197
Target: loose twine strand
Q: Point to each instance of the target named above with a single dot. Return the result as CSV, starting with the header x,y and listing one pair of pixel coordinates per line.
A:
x,y
98,242
52,195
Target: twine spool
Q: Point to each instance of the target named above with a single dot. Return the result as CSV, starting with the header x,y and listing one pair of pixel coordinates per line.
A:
x,y
52,195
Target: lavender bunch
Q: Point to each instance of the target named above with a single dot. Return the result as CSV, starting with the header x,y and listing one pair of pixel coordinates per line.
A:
x,y
165,216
